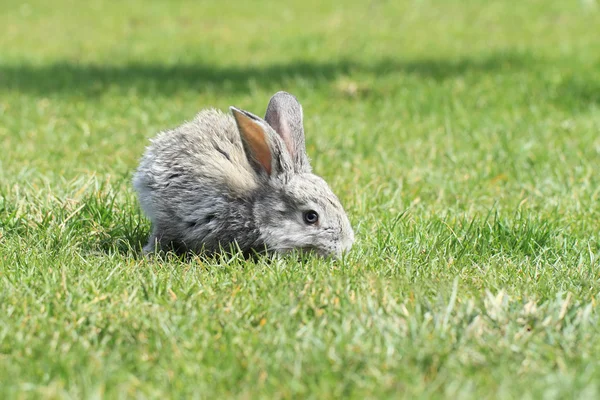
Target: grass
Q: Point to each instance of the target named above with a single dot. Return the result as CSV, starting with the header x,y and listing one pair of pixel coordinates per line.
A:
x,y
461,136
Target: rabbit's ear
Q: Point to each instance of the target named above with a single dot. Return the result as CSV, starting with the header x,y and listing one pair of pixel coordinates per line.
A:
x,y
254,138
284,115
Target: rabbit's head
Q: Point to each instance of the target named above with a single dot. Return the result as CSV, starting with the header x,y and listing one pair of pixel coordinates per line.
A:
x,y
292,207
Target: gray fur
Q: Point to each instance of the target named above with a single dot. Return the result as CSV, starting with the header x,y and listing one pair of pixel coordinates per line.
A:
x,y
203,189
284,114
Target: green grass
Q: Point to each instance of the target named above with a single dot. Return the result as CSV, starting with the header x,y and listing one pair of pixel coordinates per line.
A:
x,y
463,138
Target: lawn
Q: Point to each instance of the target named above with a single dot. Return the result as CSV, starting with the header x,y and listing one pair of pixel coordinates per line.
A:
x,y
462,137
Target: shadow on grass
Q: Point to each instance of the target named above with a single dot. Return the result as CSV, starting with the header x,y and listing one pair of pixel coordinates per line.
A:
x,y
93,79
125,239
576,92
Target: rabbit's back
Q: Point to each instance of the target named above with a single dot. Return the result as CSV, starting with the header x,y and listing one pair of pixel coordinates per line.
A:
x,y
207,150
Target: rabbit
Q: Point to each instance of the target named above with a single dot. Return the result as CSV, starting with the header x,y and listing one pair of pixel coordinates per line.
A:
x,y
223,180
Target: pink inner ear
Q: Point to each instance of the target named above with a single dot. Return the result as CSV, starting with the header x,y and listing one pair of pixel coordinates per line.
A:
x,y
280,125
289,143
256,139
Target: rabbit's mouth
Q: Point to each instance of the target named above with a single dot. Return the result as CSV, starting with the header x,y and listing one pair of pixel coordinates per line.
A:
x,y
303,251
306,251
309,250
312,251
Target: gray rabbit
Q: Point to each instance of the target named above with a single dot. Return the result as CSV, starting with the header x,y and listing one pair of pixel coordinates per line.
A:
x,y
221,180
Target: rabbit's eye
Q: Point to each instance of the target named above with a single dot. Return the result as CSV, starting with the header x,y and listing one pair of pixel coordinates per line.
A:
x,y
311,217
